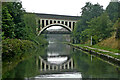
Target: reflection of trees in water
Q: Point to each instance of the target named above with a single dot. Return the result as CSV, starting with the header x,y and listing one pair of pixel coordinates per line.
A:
x,y
94,68
58,37
59,48
56,46
26,68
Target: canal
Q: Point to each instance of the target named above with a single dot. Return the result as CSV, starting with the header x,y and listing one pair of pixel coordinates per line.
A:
x,y
58,53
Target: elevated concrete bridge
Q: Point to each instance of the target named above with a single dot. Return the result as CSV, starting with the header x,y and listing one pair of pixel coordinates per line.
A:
x,y
45,21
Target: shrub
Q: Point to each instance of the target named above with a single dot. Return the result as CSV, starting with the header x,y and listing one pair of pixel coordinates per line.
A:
x,y
15,47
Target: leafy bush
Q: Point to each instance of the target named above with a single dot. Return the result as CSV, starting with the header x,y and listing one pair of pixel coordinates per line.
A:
x,y
16,47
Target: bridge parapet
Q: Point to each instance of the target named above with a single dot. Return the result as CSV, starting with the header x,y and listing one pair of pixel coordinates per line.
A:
x,y
58,17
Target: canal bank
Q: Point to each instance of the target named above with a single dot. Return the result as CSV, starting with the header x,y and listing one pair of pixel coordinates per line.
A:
x,y
112,57
16,51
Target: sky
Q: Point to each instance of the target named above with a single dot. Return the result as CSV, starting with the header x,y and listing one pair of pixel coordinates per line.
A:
x,y
60,7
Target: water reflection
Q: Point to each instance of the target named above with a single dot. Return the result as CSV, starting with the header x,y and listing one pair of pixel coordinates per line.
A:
x,y
55,44
62,75
93,67
61,61
57,60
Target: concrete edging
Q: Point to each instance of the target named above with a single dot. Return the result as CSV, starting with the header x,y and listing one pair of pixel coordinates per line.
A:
x,y
112,59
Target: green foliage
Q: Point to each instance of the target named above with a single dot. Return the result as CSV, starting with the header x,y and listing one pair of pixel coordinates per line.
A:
x,y
19,29
113,10
13,24
18,24
30,27
17,12
100,27
96,23
89,11
14,48
7,23
117,29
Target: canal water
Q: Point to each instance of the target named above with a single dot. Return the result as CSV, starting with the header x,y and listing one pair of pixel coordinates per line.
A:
x,y
56,53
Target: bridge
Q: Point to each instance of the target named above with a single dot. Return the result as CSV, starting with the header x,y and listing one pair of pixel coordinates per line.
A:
x,y
47,66
44,21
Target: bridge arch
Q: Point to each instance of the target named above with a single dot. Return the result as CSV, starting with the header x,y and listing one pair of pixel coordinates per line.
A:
x,y
44,65
56,24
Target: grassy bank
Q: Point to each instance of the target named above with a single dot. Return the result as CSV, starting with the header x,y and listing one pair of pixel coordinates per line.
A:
x,y
100,47
115,53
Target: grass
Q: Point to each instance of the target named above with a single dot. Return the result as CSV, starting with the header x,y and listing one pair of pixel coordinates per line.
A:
x,y
111,43
107,48
100,47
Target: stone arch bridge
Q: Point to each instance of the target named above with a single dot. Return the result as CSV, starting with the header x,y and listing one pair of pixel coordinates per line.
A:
x,y
45,21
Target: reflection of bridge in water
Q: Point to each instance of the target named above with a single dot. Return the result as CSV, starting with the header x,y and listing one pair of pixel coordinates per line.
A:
x,y
47,66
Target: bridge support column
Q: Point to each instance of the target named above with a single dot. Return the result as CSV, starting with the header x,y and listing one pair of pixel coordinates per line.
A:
x,y
68,65
52,21
48,22
64,66
53,67
44,66
60,22
72,26
60,67
40,24
48,67
56,67
64,22
41,64
71,63
68,23
44,22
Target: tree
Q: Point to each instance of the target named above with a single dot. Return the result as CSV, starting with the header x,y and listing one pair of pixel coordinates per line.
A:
x,y
30,27
100,27
13,24
113,10
117,29
7,23
89,11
